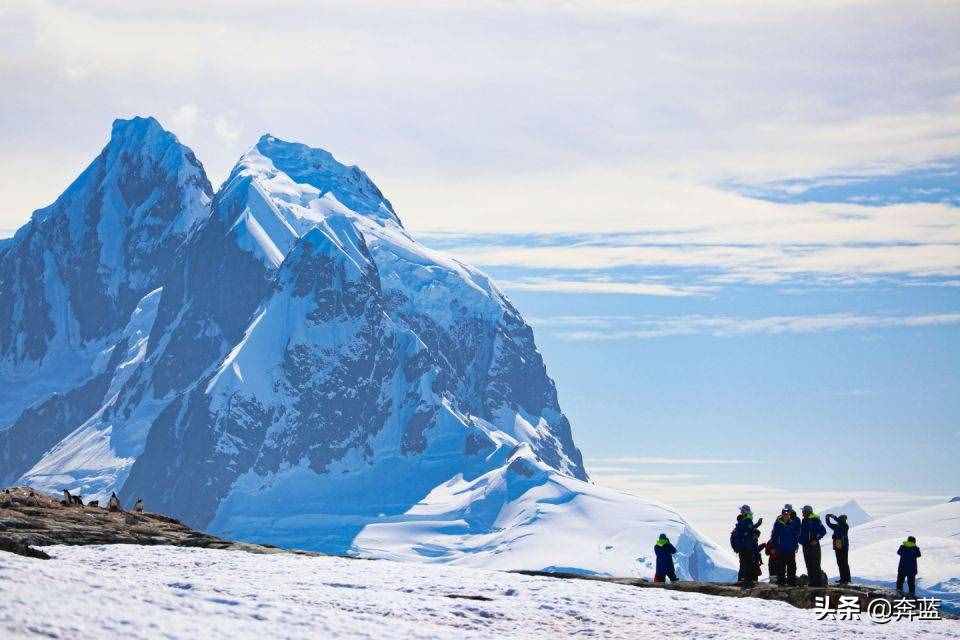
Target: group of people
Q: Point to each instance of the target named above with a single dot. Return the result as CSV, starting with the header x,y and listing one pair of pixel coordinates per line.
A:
x,y
789,534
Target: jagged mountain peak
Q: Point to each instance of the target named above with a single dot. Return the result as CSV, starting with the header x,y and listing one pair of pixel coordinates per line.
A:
x,y
137,127
316,173
81,265
144,163
144,147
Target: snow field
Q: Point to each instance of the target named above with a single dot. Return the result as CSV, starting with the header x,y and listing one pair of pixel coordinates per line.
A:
x,y
176,593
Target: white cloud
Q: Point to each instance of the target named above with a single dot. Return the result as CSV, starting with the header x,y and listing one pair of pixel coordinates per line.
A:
x,y
486,93
226,129
599,328
567,285
613,219
184,120
638,460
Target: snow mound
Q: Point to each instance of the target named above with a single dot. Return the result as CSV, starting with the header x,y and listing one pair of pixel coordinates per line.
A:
x,y
524,515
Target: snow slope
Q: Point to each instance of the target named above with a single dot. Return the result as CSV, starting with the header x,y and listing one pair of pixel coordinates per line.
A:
x,y
519,515
873,549
183,594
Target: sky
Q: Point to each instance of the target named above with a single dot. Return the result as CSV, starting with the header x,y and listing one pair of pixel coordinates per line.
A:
x,y
735,227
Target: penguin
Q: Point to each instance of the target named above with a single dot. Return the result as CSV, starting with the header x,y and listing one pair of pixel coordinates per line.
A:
x,y
114,503
78,500
93,503
67,498
138,507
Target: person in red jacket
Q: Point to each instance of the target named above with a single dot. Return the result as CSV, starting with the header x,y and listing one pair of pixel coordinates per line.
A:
x,y
774,561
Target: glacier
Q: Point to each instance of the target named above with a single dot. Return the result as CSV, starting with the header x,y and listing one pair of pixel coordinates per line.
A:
x,y
281,361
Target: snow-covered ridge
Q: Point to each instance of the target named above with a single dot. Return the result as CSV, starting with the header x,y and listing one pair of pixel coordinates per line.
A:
x,y
329,383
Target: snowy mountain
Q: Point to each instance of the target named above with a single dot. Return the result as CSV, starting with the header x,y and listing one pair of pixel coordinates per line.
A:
x,y
852,509
71,278
873,550
283,362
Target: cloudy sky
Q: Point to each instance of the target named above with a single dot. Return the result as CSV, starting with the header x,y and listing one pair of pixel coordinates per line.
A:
x,y
735,227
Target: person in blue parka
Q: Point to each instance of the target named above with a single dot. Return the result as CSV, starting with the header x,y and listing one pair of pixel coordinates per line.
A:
x,y
908,552
811,531
786,539
664,550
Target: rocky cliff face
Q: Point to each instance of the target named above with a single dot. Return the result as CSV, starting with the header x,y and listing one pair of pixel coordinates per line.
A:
x,y
280,361
71,278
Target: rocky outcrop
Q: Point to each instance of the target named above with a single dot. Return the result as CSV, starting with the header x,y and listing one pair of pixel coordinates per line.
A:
x,y
800,596
32,519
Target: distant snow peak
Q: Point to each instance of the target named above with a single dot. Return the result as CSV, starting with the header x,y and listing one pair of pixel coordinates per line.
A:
x,y
856,515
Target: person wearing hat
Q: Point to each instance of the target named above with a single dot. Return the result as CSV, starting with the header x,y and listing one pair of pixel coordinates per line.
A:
x,y
841,545
811,531
664,551
908,552
786,539
743,542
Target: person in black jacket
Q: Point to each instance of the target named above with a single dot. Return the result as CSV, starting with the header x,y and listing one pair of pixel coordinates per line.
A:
x,y
841,545
758,548
811,531
664,550
743,542
908,552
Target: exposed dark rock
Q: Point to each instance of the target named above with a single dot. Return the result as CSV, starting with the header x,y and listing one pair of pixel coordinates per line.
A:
x,y
30,519
464,596
800,596
19,548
